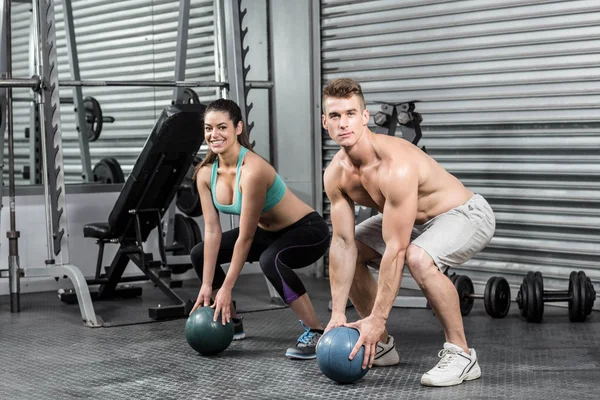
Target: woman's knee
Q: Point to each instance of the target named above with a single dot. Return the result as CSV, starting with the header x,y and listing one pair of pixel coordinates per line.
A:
x,y
197,254
420,264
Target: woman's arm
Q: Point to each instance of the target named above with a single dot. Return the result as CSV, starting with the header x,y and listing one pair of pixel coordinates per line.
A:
x,y
254,186
212,226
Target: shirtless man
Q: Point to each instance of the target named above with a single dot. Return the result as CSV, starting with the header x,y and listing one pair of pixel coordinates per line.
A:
x,y
427,218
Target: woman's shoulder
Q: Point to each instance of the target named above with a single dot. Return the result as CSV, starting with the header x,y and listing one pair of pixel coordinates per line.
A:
x,y
257,166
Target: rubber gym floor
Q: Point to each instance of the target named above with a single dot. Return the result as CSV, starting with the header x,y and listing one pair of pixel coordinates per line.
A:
x,y
47,353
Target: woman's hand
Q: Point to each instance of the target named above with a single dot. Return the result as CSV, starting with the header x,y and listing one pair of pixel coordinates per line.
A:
x,y
222,305
203,299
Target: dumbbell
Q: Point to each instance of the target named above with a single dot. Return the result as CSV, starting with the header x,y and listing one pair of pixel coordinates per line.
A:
x,y
532,296
496,296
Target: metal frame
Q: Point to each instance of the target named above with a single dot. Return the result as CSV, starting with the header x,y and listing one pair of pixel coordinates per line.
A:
x,y
54,185
80,120
317,160
234,57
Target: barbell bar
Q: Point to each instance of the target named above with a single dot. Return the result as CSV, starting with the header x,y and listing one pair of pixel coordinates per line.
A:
x,y
35,82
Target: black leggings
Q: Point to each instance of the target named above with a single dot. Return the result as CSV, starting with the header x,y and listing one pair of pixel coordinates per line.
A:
x,y
278,253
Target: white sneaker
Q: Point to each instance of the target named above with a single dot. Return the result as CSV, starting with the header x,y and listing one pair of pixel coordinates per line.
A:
x,y
386,354
454,367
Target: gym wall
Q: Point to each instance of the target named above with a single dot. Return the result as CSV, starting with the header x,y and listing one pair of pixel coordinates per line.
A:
x,y
509,95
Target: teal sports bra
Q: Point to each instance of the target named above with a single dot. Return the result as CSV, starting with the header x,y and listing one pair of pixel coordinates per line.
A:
x,y
274,193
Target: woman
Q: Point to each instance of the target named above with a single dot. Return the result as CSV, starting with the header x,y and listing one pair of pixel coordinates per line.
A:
x,y
276,228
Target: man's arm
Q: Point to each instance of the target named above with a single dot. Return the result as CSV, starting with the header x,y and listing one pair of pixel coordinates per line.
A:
x,y
401,192
342,251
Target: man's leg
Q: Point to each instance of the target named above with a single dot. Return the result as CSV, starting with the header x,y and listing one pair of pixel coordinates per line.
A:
x,y
362,294
440,292
364,287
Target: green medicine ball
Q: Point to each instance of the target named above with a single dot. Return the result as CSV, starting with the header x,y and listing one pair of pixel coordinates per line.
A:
x,y
204,335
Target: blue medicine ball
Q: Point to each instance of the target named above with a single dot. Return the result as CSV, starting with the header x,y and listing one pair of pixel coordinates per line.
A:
x,y
333,351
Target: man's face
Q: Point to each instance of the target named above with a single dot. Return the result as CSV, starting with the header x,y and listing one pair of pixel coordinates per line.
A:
x,y
344,119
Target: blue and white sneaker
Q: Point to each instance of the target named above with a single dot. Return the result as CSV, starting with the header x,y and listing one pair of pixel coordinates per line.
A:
x,y
305,349
238,329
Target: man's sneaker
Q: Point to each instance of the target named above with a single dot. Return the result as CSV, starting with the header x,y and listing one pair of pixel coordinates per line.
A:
x,y
454,367
238,329
386,354
305,349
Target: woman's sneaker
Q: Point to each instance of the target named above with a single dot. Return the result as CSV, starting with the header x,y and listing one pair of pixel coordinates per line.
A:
x,y
305,348
454,367
238,329
386,354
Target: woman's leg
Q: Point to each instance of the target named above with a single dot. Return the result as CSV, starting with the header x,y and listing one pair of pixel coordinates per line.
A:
x,y
297,247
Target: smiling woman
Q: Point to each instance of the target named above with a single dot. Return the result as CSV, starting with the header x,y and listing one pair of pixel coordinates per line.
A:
x,y
276,228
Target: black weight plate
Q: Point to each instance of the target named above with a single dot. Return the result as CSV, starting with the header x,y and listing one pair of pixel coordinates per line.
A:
x,y
497,297
464,287
105,172
487,297
588,291
584,296
183,234
591,292
539,297
575,295
188,199
453,277
93,117
530,305
117,170
197,232
522,298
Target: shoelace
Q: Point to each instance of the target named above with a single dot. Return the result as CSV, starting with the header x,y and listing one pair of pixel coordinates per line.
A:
x,y
307,337
447,357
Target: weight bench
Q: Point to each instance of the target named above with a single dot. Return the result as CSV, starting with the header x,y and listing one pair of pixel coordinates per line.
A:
x,y
145,198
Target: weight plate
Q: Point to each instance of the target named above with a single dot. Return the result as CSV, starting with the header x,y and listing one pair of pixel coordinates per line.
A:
x,y
591,292
117,170
575,297
105,171
538,294
464,287
183,234
93,118
196,229
584,296
487,296
530,304
521,298
497,297
188,199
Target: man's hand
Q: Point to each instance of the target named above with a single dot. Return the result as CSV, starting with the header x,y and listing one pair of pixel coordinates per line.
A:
x,y
335,321
371,329
203,299
223,305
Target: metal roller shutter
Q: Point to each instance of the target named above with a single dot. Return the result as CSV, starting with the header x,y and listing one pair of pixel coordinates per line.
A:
x,y
510,94
129,39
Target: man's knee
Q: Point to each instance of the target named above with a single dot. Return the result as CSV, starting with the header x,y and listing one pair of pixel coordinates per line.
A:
x,y
420,264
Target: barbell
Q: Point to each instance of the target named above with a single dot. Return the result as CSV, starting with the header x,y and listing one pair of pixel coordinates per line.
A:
x,y
35,83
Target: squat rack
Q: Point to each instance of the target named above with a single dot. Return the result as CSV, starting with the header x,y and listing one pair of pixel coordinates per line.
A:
x,y
45,86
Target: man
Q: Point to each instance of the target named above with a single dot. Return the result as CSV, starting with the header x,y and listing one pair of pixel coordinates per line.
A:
x,y
427,218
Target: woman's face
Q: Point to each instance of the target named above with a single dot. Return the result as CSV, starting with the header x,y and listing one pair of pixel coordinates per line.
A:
x,y
219,132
